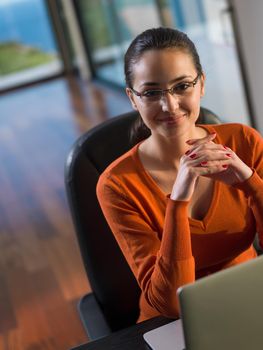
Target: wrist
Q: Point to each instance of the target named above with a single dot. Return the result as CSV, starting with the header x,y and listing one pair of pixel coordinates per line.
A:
x,y
179,197
183,191
246,174
252,186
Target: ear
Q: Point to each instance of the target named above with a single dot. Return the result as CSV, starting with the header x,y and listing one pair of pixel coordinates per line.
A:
x,y
202,81
131,98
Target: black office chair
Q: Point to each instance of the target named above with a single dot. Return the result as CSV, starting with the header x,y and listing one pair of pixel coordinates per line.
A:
x,y
113,303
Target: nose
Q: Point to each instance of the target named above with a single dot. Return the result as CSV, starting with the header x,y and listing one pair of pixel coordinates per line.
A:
x,y
169,102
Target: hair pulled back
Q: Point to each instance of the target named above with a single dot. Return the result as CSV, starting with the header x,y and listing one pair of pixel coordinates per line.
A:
x,y
155,39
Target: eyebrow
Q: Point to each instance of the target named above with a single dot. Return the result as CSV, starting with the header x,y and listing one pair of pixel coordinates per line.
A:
x,y
150,83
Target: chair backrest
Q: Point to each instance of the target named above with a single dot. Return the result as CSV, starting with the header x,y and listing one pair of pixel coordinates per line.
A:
x,y
110,277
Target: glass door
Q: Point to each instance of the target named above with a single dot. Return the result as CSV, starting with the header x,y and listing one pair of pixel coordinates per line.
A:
x,y
208,23
108,26
28,49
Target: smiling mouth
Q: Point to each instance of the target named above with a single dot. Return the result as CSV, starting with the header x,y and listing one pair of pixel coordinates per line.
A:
x,y
171,120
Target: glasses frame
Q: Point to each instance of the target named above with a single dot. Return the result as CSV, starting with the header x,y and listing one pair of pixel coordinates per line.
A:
x,y
171,91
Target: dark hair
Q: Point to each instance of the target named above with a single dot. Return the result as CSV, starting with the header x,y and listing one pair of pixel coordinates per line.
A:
x,y
155,39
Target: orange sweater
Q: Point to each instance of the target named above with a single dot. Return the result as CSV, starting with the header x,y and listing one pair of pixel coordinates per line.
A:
x,y
163,246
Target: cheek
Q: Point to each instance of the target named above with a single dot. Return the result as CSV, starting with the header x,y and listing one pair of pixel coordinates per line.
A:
x,y
194,102
148,114
192,107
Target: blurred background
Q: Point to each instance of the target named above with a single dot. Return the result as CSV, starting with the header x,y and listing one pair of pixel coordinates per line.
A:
x,y
61,73
40,39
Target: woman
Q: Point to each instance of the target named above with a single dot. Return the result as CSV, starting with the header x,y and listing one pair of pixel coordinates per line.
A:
x,y
187,200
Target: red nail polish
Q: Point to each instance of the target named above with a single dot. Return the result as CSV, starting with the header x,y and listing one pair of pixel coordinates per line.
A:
x,y
228,155
187,152
225,166
193,155
203,163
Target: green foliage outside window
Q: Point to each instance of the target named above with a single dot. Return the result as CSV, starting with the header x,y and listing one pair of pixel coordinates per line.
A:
x,y
16,57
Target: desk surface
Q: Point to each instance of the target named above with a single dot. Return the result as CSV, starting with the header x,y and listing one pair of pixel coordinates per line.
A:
x,y
130,338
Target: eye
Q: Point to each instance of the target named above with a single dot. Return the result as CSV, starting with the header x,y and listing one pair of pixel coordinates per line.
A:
x,y
152,93
182,87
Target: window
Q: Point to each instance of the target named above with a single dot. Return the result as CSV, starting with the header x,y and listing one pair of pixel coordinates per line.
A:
x,y
28,49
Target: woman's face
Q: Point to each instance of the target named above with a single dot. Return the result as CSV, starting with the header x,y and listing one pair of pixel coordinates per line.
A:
x,y
166,69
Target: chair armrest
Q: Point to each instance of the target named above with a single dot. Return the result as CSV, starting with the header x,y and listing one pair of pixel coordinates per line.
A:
x,y
92,317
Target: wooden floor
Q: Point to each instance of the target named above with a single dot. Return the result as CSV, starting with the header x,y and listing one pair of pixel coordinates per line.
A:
x,y
41,272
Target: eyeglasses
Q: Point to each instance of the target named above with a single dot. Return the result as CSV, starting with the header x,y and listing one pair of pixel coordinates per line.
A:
x,y
183,88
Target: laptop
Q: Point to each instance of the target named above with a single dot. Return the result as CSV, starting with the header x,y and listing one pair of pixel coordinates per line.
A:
x,y
221,311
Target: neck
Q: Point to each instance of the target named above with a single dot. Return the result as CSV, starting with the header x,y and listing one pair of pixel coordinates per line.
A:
x,y
173,148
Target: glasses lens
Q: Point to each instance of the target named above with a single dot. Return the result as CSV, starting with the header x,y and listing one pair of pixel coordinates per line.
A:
x,y
152,95
181,89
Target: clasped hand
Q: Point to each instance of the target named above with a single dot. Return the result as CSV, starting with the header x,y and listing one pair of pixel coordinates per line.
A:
x,y
206,158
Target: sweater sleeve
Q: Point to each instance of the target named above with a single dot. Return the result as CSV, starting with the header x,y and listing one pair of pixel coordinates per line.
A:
x,y
253,187
160,266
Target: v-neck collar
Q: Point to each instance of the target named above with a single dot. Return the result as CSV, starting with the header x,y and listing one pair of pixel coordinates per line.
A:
x,y
193,222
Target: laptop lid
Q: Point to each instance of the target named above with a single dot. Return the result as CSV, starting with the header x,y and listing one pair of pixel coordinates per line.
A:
x,y
222,311
225,310
167,337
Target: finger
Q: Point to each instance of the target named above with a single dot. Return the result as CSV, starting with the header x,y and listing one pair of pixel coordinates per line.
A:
x,y
208,159
217,163
209,147
208,152
216,169
207,138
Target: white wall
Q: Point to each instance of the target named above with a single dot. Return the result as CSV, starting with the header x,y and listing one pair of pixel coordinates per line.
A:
x,y
249,22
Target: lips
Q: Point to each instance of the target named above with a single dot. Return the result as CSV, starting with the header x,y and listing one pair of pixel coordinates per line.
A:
x,y
170,119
